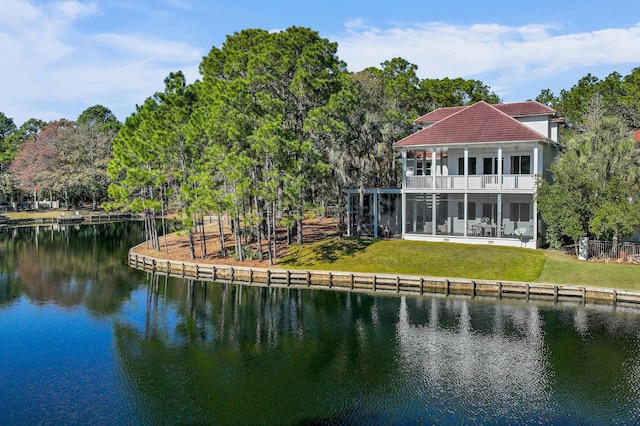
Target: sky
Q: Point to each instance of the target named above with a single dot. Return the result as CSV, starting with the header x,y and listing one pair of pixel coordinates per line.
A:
x,y
58,58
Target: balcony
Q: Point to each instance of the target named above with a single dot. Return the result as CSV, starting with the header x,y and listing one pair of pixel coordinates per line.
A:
x,y
472,183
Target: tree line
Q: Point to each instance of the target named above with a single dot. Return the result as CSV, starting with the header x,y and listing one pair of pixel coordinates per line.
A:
x,y
274,129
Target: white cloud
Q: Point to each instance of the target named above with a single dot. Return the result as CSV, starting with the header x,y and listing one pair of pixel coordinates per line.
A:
x,y
48,60
508,55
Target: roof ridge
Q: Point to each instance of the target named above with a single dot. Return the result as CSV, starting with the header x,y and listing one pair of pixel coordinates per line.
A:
x,y
446,128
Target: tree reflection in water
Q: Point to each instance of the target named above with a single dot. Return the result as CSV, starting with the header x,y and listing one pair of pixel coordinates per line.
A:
x,y
68,265
222,353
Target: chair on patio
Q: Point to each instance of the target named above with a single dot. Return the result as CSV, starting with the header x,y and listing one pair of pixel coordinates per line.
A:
x,y
474,229
506,229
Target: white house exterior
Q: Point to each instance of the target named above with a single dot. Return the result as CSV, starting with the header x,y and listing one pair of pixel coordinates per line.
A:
x,y
469,173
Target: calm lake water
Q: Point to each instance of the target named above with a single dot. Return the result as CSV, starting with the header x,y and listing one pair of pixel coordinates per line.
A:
x,y
86,340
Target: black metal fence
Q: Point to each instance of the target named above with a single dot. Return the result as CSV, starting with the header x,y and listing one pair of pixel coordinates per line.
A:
x,y
612,250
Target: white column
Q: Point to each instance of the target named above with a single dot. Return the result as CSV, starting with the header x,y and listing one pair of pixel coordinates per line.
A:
x,y
500,167
466,175
433,167
535,223
404,213
433,214
466,202
404,170
499,218
536,160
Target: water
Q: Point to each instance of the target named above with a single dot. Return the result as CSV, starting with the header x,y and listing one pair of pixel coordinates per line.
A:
x,y
86,340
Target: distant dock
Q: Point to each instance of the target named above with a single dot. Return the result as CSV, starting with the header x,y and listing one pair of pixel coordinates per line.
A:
x,y
71,219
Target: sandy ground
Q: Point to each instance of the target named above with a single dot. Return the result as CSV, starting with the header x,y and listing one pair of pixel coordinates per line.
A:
x,y
178,244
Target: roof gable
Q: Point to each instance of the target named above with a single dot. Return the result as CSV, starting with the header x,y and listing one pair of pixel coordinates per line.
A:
x,y
478,123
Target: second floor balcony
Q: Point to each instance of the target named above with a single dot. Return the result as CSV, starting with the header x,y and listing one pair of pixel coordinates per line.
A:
x,y
504,182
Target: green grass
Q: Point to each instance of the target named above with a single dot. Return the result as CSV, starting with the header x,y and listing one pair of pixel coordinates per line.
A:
x,y
560,268
460,261
415,257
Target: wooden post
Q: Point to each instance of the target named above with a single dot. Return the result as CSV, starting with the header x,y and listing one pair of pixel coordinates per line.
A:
x,y
197,271
268,277
446,287
352,281
421,285
584,295
555,293
615,297
473,289
168,267
183,269
527,289
330,279
499,290
397,284
232,273
214,273
250,276
153,264
375,282
288,278
308,279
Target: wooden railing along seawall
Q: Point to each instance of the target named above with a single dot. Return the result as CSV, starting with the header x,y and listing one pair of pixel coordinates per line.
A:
x,y
379,283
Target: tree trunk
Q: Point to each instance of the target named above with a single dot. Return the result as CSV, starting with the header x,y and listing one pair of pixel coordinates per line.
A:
x,y
238,236
299,223
268,232
258,228
223,251
164,226
275,233
192,249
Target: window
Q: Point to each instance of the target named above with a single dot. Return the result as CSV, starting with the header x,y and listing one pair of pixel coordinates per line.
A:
x,y
490,166
427,169
520,212
472,165
521,164
471,211
419,166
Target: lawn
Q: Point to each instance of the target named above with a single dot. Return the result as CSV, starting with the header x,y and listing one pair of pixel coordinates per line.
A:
x,y
420,258
460,260
560,268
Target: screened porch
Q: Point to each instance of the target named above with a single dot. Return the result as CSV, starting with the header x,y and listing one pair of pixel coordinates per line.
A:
x,y
471,216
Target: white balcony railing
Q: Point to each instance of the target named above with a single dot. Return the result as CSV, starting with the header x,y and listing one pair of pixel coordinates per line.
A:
x,y
482,182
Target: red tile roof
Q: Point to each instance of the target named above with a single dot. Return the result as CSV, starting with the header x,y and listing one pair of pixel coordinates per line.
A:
x,y
478,123
514,109
439,114
523,109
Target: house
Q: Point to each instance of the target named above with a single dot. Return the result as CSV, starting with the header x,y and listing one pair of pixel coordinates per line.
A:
x,y
469,173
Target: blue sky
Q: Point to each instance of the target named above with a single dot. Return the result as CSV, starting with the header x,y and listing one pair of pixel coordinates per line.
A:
x,y
61,57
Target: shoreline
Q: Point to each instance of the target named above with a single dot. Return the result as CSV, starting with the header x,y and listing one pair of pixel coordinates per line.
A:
x,y
379,284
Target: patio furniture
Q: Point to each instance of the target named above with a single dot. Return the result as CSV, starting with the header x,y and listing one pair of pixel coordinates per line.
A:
x,y
489,229
520,233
